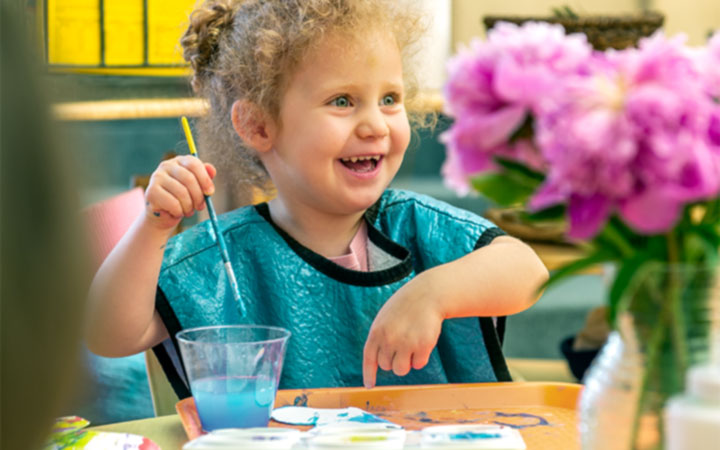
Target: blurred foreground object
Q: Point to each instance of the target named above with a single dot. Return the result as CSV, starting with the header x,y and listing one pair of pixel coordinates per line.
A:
x,y
44,276
71,432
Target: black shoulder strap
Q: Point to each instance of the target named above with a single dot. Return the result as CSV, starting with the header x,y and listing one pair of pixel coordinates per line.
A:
x,y
493,334
494,349
172,366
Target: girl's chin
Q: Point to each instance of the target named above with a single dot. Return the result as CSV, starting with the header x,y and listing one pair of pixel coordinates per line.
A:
x,y
353,199
366,200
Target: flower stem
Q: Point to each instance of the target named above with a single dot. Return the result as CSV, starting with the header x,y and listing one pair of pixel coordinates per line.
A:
x,y
712,208
677,320
621,243
671,318
672,248
653,353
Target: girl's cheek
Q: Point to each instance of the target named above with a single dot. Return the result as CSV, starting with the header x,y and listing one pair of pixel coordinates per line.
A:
x,y
402,134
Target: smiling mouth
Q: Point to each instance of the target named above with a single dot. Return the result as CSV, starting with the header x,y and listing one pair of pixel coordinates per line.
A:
x,y
361,164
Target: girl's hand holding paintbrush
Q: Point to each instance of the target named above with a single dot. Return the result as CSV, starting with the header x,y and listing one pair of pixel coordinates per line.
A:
x,y
177,189
122,295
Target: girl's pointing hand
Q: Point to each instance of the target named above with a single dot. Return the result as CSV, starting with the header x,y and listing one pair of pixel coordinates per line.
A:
x,y
405,331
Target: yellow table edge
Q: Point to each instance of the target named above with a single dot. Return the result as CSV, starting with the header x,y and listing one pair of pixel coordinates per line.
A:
x,y
168,433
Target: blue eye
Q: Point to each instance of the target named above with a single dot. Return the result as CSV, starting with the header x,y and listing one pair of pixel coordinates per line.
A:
x,y
341,102
388,100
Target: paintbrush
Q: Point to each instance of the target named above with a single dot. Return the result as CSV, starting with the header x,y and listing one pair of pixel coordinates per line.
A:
x,y
216,228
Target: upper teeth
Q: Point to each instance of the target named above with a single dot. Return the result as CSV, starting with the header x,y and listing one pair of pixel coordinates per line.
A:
x,y
361,158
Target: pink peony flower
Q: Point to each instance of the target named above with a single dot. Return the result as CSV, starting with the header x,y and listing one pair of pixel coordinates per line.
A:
x,y
635,139
492,87
708,59
533,60
454,176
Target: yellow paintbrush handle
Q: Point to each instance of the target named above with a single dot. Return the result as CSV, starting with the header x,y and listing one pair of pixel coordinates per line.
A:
x,y
188,135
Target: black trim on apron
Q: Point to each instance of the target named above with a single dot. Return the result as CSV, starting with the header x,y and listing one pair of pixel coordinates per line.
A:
x,y
494,334
494,350
173,327
339,273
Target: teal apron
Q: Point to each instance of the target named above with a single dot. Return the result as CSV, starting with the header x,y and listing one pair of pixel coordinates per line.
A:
x,y
327,308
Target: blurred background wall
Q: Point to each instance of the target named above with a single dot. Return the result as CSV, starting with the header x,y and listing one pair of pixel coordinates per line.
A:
x,y
694,17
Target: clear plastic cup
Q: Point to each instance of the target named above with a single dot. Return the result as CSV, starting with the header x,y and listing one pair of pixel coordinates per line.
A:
x,y
233,372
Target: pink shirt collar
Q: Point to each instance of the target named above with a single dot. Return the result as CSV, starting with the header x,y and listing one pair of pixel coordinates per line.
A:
x,y
357,258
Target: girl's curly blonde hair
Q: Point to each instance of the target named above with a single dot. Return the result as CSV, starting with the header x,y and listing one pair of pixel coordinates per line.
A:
x,y
247,49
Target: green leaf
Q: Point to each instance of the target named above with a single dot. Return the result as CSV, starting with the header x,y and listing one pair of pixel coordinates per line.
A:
x,y
712,212
596,257
709,232
627,270
553,213
564,12
656,246
557,12
570,13
701,244
614,236
520,170
511,186
502,189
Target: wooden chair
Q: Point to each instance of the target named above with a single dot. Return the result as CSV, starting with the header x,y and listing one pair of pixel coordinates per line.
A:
x,y
162,393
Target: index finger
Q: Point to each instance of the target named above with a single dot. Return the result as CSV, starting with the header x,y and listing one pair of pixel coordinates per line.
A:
x,y
370,364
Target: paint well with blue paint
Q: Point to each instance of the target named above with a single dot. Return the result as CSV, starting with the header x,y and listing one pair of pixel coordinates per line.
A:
x,y
365,418
303,415
481,436
472,435
233,402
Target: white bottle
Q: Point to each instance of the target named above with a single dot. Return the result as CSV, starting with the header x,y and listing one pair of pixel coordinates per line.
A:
x,y
692,420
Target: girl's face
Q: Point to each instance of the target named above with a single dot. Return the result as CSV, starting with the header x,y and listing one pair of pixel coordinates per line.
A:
x,y
343,129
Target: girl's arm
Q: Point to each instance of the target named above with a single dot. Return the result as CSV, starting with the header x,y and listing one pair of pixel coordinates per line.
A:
x,y
496,280
122,318
499,279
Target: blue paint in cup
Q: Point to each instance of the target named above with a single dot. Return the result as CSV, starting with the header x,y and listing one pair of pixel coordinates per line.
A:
x,y
233,372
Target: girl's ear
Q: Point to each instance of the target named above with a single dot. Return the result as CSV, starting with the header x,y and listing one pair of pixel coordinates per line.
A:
x,y
253,125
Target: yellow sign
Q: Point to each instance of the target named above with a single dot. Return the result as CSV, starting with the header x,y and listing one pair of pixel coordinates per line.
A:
x,y
140,37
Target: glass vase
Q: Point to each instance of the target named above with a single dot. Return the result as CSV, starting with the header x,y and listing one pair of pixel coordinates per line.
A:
x,y
668,320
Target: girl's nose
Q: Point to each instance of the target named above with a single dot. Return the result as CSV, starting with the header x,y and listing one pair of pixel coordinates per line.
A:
x,y
372,124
